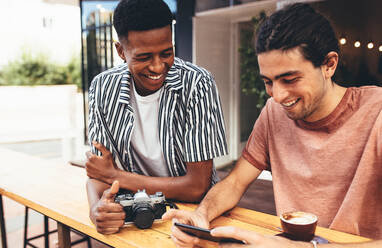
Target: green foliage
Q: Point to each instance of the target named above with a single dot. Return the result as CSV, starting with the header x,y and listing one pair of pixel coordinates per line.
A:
x,y
38,70
251,83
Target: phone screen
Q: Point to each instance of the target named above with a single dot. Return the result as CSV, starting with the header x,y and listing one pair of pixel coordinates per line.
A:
x,y
204,234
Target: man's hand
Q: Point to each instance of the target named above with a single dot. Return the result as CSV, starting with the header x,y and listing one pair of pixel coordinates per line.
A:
x,y
253,239
102,167
194,218
108,216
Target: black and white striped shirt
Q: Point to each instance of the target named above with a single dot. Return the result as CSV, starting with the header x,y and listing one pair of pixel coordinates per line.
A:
x,y
191,123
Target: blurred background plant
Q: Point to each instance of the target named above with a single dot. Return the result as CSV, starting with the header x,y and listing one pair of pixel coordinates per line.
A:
x,y
250,81
30,70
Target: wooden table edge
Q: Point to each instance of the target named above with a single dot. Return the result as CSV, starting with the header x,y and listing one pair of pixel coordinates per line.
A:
x,y
64,223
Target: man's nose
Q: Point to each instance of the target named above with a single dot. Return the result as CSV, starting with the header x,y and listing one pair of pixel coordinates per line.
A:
x,y
279,92
156,65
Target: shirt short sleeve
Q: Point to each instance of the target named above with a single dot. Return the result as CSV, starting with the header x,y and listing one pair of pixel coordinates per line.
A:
x,y
256,150
204,125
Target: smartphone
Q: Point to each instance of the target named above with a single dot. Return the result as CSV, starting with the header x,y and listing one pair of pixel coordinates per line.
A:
x,y
205,234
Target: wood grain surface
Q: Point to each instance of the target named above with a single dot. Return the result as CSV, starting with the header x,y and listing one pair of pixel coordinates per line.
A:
x,y
58,190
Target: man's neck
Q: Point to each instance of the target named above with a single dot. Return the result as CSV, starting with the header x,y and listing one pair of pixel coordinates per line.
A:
x,y
337,93
330,101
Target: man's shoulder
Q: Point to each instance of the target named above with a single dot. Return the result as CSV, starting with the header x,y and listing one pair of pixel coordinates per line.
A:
x,y
370,89
370,94
114,71
186,66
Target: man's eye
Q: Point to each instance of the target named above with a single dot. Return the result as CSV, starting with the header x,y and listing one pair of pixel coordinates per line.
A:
x,y
292,80
142,58
166,55
266,82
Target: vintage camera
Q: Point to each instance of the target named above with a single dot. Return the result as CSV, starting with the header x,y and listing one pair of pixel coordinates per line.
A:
x,y
142,209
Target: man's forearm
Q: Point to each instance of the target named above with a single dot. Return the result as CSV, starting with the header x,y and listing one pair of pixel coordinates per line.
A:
x,y
222,197
95,189
227,193
182,188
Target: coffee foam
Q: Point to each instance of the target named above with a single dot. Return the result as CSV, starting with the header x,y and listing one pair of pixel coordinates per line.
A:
x,y
299,218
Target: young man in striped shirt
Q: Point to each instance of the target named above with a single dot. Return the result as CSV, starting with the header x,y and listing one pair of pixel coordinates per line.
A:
x,y
156,121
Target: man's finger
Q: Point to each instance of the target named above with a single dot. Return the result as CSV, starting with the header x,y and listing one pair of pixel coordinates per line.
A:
x,y
111,207
114,187
186,217
110,194
101,148
172,213
179,243
88,154
184,237
230,245
182,215
109,230
248,237
109,223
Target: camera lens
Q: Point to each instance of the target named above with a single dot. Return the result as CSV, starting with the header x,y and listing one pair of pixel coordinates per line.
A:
x,y
143,215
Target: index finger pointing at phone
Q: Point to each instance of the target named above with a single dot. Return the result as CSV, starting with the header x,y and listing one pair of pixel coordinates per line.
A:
x,y
184,216
173,213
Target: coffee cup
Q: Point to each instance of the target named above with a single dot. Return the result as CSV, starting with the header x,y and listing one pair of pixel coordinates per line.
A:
x,y
299,225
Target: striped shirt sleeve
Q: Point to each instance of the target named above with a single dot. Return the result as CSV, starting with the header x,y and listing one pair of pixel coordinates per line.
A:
x,y
204,123
97,122
94,125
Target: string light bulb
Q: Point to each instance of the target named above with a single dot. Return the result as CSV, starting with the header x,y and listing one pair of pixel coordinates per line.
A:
x,y
357,44
342,41
370,45
380,48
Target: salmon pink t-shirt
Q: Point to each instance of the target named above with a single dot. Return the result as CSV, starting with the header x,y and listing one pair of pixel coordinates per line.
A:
x,y
331,167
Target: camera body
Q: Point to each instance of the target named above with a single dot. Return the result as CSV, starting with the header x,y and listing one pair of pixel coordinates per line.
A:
x,y
142,209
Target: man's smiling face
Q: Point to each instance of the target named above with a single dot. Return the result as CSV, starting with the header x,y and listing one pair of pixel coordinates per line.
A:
x,y
295,83
149,55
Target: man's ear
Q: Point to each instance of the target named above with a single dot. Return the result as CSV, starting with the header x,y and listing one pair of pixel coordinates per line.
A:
x,y
330,64
119,48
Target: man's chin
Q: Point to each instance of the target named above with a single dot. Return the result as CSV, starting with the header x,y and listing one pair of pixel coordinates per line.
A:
x,y
294,116
149,87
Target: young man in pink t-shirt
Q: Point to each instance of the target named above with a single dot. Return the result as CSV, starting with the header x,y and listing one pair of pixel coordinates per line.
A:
x,y
322,142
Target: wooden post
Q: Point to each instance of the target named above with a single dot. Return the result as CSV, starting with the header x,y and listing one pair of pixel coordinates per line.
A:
x,y
63,232
2,225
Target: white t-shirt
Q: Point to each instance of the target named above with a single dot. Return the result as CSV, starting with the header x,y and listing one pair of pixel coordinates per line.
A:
x,y
146,148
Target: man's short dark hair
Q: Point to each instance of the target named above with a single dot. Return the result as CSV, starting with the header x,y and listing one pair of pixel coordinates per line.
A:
x,y
298,25
140,15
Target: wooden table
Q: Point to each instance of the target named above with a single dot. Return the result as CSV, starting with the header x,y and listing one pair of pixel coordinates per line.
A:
x,y
58,191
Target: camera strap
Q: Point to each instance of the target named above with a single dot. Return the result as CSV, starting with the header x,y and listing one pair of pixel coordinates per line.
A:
x,y
171,204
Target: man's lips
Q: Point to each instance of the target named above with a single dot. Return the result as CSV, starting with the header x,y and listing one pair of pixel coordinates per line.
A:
x,y
291,103
154,77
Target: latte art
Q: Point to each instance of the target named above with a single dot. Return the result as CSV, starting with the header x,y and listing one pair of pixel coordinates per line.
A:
x,y
299,225
299,218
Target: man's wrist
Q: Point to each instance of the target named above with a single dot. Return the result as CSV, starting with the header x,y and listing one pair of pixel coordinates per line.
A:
x,y
114,177
202,211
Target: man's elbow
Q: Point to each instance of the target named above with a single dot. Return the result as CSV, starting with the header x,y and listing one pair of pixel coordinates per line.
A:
x,y
199,190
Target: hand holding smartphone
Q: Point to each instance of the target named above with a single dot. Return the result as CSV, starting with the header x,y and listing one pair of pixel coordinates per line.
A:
x,y
205,234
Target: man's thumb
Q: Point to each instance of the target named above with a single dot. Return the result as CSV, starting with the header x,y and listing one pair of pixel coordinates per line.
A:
x,y
113,190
